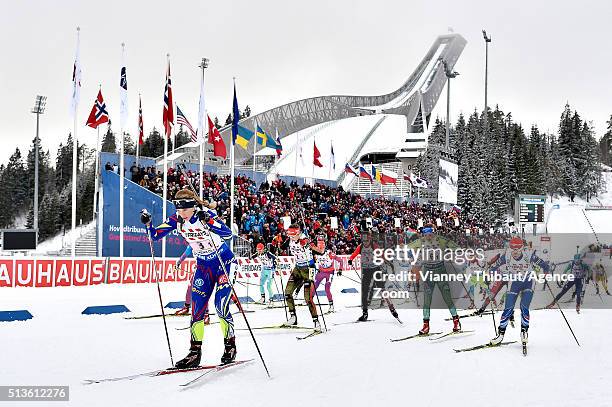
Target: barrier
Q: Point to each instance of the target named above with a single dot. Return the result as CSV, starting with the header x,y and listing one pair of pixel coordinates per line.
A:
x,y
86,271
175,304
246,300
105,309
18,315
350,290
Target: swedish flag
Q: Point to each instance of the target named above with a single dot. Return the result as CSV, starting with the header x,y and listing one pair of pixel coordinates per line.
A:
x,y
265,140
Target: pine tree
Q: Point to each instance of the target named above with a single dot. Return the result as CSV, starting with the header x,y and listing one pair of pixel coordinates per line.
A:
x,y
129,146
109,145
229,119
247,112
216,122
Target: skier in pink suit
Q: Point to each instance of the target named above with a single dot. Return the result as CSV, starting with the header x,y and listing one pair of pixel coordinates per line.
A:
x,y
327,266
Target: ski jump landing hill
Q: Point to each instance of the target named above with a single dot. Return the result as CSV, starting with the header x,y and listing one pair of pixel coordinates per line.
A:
x,y
358,125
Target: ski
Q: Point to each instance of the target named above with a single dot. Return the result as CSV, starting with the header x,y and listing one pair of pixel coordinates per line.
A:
x,y
156,316
310,335
281,326
415,336
486,345
352,322
162,372
215,369
472,314
449,334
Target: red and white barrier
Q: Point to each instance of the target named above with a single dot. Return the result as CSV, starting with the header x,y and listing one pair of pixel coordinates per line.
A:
x,y
61,271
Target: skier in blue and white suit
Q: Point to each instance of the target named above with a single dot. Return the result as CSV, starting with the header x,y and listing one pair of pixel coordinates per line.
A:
x,y
203,231
519,263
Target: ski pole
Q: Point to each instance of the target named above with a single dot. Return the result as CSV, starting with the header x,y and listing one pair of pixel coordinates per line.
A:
x,y
319,303
282,293
562,313
161,303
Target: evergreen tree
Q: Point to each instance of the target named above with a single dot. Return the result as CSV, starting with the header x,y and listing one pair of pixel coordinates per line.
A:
x,y
109,145
246,113
216,123
129,145
229,119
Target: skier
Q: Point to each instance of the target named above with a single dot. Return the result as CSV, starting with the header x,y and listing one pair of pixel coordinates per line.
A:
x,y
519,262
579,270
429,241
601,277
368,268
268,267
206,234
301,275
326,263
186,309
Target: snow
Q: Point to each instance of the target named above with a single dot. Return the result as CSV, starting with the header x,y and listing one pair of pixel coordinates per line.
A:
x,y
351,364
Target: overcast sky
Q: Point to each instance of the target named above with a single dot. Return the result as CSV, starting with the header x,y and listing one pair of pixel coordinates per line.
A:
x,y
543,54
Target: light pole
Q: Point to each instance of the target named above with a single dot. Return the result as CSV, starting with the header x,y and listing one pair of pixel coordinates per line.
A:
x,y
38,109
449,75
486,110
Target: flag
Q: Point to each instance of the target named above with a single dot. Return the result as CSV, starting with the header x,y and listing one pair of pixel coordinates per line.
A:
x,y
168,117
235,118
201,113
243,136
388,177
316,155
140,125
265,140
376,174
98,113
364,174
333,157
279,149
214,138
349,170
76,79
123,106
182,120
416,181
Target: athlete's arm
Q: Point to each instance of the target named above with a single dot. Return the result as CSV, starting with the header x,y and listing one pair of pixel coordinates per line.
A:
x,y
162,230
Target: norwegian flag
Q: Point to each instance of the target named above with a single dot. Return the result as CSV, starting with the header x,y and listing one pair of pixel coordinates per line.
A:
x,y
182,120
140,125
168,117
98,113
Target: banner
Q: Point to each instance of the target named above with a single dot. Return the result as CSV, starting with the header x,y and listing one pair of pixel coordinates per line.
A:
x,y
66,272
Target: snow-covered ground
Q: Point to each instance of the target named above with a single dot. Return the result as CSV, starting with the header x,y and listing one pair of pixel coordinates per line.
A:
x,y
353,364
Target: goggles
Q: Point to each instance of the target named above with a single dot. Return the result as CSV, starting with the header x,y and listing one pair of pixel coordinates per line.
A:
x,y
427,230
184,203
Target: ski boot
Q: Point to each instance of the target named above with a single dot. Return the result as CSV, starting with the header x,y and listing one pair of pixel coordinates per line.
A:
x,y
292,321
608,292
578,308
185,310
262,300
479,312
456,324
331,308
425,329
229,354
317,325
363,317
551,305
193,357
499,338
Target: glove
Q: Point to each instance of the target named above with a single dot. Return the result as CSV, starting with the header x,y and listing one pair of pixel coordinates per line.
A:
x,y
145,217
339,273
350,262
203,216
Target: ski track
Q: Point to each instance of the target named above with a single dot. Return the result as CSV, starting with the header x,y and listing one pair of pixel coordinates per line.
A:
x,y
351,364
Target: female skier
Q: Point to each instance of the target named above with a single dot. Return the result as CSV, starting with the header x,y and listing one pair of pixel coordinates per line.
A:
x,y
302,274
326,268
579,270
206,235
519,263
268,267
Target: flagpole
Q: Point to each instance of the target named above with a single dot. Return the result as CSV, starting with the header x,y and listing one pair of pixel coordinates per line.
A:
x,y
74,144
165,184
231,220
314,143
95,200
122,160
203,65
254,149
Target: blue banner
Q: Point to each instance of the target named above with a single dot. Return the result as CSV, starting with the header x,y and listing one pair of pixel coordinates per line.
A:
x,y
135,239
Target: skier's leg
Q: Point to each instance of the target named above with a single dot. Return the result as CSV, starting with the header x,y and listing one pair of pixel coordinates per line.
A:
x,y
428,287
319,277
328,283
293,284
366,280
511,295
448,299
565,289
269,284
526,297
308,295
223,297
579,284
262,281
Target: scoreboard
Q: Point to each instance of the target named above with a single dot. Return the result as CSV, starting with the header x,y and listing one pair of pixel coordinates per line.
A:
x,y
530,208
